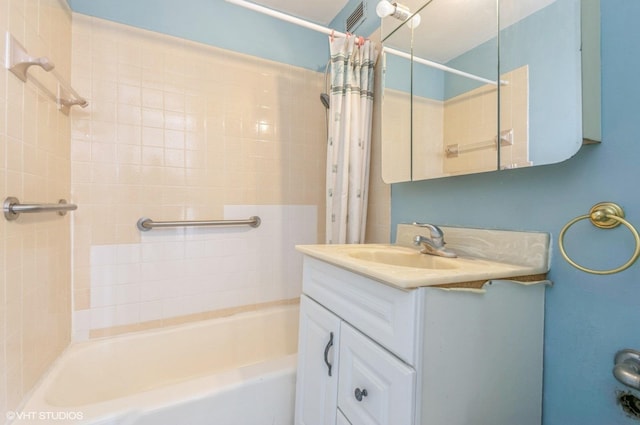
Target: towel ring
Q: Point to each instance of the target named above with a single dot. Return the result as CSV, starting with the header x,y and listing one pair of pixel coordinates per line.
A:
x,y
605,215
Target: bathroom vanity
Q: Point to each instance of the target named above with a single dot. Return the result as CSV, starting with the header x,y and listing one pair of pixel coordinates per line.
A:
x,y
382,343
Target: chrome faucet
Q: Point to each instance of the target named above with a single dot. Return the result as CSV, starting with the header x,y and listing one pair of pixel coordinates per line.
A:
x,y
433,245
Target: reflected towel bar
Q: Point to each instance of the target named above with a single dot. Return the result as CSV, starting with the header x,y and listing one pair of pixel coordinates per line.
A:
x,y
506,139
145,224
13,208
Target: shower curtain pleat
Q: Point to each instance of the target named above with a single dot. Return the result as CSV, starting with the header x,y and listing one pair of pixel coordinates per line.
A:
x,y
349,141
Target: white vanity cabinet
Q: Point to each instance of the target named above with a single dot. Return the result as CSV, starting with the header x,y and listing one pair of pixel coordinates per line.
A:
x,y
424,356
318,348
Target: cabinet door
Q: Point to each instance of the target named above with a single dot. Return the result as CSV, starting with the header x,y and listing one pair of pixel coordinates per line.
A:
x,y
317,378
375,387
341,419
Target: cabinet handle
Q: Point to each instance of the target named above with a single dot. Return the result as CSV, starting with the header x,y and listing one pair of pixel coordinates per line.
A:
x,y
360,393
326,352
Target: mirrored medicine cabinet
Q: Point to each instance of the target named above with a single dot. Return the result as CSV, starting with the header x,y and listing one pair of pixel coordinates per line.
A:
x,y
487,85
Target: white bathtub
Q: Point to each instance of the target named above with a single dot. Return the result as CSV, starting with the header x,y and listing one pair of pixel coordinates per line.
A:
x,y
238,370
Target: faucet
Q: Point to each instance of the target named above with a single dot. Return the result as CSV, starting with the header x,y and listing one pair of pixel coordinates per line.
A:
x,y
433,245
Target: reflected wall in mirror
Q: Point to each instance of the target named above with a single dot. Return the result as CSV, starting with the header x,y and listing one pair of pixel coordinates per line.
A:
x,y
453,58
396,124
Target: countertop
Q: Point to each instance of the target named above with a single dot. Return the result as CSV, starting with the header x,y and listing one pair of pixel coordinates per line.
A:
x,y
463,271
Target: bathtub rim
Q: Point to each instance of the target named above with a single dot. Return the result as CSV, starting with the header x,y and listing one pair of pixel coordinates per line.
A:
x,y
193,388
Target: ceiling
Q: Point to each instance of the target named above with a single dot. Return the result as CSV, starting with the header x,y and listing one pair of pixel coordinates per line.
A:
x,y
452,27
317,11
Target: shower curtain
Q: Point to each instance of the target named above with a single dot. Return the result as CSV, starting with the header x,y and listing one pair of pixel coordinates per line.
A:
x,y
349,141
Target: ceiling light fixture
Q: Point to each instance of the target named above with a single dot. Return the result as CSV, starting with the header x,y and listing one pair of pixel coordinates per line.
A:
x,y
399,11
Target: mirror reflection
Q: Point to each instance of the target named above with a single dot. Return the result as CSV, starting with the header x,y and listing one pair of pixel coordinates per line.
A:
x,y
448,67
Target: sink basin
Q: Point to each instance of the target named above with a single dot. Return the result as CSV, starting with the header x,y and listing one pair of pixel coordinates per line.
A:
x,y
403,258
483,255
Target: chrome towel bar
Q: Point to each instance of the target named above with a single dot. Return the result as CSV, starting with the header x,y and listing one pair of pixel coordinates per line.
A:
x,y
145,224
12,208
453,150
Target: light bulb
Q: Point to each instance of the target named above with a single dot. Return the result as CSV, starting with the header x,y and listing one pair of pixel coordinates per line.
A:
x,y
414,22
384,9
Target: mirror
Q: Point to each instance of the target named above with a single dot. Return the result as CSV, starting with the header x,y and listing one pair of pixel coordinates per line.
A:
x,y
443,106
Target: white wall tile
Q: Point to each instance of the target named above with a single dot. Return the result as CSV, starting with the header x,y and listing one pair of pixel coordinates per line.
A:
x,y
176,277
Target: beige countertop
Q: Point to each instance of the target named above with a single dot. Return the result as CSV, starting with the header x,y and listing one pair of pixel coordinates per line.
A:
x,y
449,270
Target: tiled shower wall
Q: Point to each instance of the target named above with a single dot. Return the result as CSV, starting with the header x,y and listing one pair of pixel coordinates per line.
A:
x,y
177,130
35,250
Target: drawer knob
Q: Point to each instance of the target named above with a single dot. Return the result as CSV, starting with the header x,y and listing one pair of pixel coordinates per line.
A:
x,y
360,393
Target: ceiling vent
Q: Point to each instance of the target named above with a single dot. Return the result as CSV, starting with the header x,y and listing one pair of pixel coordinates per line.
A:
x,y
356,18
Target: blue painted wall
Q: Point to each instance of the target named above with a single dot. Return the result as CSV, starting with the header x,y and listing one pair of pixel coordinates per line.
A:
x,y
588,317
217,23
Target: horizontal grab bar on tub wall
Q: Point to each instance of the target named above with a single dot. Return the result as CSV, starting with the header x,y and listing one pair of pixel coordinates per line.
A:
x,y
145,224
12,208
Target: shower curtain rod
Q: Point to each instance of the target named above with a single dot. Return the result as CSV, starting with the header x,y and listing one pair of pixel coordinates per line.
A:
x,y
285,17
328,31
441,67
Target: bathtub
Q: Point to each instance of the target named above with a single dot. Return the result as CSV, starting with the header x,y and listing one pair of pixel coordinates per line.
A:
x,y
237,370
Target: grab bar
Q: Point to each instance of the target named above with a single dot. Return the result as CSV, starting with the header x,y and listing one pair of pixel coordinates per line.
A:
x,y
12,208
145,224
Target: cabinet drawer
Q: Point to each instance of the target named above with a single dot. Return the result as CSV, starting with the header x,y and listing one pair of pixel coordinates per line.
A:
x,y
388,314
374,387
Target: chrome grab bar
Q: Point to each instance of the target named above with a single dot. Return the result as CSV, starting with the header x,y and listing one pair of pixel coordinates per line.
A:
x,y
12,208
145,224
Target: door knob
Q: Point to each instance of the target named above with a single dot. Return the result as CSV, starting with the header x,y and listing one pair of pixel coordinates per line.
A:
x,y
626,368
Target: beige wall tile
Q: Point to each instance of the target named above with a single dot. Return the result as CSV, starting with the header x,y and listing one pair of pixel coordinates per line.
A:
x,y
175,142
35,250
470,118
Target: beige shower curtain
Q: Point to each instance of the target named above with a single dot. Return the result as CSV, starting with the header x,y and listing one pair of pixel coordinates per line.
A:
x,y
349,141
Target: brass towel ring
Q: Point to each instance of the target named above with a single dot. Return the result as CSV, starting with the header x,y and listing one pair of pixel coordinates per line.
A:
x,y
605,215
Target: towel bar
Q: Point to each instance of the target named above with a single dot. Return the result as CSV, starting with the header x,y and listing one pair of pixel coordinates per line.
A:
x,y
605,215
